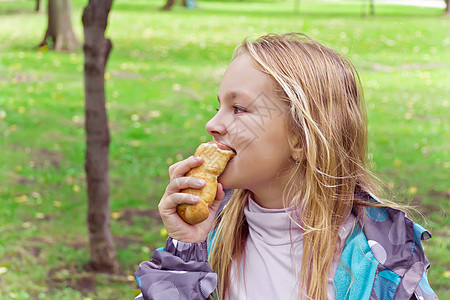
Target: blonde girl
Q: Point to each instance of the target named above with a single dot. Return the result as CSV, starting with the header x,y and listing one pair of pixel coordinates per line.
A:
x,y
295,215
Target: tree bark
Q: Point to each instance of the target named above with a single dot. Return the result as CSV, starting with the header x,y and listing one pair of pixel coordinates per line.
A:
x,y
447,7
168,5
38,6
96,52
59,31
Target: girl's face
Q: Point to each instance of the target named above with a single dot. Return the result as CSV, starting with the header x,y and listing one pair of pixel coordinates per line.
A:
x,y
252,121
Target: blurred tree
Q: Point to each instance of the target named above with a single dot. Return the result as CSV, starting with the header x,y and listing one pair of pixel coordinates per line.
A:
x,y
447,7
59,34
38,5
168,5
96,52
371,7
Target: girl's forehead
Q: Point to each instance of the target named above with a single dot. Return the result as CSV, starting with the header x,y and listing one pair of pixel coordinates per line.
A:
x,y
243,77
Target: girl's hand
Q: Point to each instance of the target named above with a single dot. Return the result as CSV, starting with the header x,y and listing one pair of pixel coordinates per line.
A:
x,y
175,226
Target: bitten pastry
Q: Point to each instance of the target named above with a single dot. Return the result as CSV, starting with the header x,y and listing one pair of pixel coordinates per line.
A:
x,y
215,158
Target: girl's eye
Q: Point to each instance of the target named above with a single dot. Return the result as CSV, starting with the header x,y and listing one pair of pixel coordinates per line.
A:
x,y
238,109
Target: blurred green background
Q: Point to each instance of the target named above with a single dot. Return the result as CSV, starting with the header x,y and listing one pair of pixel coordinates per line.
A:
x,y
162,80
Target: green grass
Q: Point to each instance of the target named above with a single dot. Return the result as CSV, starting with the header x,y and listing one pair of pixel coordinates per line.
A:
x,y
163,75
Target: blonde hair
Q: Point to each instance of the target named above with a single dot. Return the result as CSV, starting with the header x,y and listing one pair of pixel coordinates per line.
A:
x,y
327,117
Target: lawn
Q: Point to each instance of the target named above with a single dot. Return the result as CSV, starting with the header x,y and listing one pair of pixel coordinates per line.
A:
x,y
162,80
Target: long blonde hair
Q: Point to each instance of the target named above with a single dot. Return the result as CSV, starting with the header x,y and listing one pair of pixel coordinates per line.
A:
x,y
327,116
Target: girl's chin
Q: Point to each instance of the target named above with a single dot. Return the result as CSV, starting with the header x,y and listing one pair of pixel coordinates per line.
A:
x,y
227,179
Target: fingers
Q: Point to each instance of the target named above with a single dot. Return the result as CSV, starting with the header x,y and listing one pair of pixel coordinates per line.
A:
x,y
180,183
180,168
220,192
219,198
174,200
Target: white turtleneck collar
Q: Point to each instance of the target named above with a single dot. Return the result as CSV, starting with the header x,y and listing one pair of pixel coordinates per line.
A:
x,y
273,226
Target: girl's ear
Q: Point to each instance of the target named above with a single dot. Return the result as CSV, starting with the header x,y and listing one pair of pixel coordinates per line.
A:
x,y
297,150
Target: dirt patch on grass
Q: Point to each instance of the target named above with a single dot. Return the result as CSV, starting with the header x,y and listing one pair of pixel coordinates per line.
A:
x,y
124,241
46,158
24,180
70,276
84,279
427,207
128,215
120,242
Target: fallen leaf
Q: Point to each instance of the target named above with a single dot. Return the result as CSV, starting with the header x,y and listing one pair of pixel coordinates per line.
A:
x,y
115,215
26,224
412,190
21,109
3,270
130,278
21,199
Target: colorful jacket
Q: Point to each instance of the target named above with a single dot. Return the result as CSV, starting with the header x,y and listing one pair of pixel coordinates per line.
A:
x,y
382,259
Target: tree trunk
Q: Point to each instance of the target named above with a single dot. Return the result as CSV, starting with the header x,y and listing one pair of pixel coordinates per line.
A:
x,y
59,30
168,5
371,4
447,7
372,7
96,52
38,6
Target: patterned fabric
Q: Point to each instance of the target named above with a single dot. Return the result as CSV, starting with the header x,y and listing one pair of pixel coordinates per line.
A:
x,y
388,252
383,259
181,271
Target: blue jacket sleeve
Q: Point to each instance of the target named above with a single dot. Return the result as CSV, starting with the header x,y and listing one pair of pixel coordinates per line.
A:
x,y
181,271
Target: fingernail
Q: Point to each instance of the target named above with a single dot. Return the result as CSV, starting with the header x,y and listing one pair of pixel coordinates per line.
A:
x,y
195,199
200,182
197,157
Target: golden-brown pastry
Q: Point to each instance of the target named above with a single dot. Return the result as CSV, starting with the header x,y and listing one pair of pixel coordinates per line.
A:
x,y
215,158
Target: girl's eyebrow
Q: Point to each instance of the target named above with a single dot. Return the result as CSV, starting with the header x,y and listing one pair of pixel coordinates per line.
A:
x,y
234,94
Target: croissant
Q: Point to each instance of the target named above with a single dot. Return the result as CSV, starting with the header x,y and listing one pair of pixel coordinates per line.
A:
x,y
215,158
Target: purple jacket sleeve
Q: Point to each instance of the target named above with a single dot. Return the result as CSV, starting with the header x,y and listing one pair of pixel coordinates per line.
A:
x,y
181,272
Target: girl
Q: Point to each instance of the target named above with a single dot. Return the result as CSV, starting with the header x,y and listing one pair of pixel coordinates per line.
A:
x,y
295,216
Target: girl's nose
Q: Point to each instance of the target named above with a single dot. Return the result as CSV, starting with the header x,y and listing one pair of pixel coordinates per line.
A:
x,y
216,126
